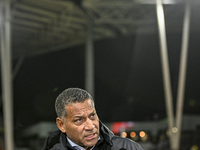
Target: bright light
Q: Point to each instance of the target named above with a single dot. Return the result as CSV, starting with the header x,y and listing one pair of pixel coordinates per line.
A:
x,y
174,129
142,134
124,134
132,134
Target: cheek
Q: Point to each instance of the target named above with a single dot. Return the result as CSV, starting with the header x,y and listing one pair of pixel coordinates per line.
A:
x,y
74,130
96,123
74,133
69,128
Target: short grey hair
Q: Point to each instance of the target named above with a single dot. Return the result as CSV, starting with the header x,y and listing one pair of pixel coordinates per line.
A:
x,y
70,96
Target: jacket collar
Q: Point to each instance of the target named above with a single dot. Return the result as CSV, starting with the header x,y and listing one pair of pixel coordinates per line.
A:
x,y
106,133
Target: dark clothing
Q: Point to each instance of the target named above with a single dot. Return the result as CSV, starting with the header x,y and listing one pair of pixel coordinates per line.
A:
x,y
108,141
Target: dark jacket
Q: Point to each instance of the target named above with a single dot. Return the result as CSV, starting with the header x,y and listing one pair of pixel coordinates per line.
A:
x,y
108,141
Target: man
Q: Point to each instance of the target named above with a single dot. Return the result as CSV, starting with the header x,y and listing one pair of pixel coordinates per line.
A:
x,y
80,127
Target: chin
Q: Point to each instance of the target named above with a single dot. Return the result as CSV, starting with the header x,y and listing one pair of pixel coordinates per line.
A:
x,y
90,144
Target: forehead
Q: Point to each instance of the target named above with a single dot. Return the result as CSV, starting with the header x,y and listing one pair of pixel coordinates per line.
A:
x,y
78,108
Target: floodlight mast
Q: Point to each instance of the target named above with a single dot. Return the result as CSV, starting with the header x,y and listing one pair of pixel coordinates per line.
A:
x,y
7,94
174,123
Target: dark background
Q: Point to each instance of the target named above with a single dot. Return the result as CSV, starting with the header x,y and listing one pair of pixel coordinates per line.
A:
x,y
128,79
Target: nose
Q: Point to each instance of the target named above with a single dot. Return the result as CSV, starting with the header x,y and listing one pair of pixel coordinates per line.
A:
x,y
89,124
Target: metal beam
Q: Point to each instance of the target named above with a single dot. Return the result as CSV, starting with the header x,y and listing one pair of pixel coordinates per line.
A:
x,y
123,21
49,4
175,127
29,16
89,61
165,69
7,93
182,73
28,23
35,10
114,3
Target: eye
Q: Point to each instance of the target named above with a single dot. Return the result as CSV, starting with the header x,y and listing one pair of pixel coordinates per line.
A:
x,y
78,120
93,115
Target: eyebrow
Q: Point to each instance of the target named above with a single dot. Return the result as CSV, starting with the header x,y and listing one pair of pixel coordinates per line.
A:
x,y
80,116
92,112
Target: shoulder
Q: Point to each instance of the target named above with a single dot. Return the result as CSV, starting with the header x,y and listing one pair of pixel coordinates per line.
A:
x,y
56,147
119,142
53,141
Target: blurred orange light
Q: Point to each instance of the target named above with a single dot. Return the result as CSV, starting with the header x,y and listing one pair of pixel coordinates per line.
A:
x,y
142,134
124,134
132,134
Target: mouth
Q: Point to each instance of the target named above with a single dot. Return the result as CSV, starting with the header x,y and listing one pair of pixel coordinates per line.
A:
x,y
91,136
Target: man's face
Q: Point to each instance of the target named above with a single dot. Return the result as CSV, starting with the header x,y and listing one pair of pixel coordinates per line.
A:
x,y
82,123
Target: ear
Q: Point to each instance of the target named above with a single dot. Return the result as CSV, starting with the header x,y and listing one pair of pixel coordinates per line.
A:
x,y
60,124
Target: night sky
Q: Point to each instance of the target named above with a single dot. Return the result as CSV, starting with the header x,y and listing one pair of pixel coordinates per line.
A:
x,y
128,79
